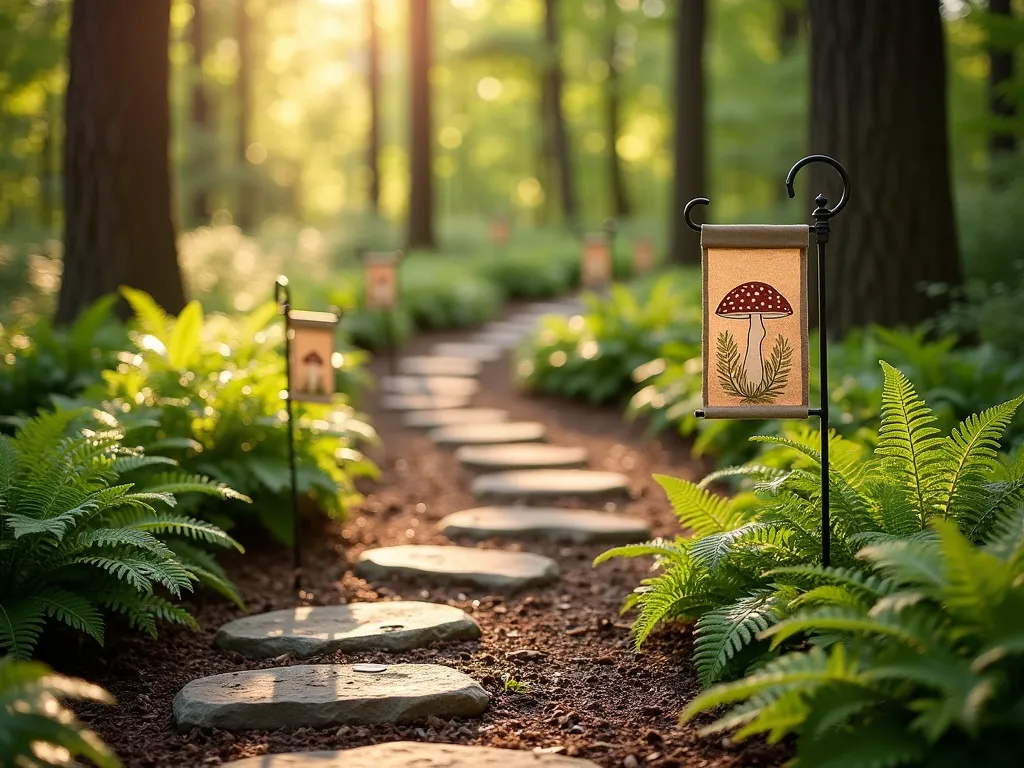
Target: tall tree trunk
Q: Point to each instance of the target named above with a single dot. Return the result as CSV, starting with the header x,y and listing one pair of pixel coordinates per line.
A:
x,y
373,85
421,188
899,230
199,205
244,214
119,228
1001,72
617,181
553,80
690,129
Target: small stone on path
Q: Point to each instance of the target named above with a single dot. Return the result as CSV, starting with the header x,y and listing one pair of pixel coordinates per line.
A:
x,y
486,568
313,630
531,484
579,526
489,434
429,385
421,402
322,695
485,353
433,365
521,456
432,419
406,754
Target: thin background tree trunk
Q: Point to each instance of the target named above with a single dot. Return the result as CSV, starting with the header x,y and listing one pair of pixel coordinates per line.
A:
x,y
690,145
1001,71
613,104
373,85
117,174
899,229
553,82
199,205
244,213
421,188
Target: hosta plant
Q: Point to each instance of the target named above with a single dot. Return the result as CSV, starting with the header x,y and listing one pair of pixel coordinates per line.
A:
x,y
918,660
719,575
78,539
36,729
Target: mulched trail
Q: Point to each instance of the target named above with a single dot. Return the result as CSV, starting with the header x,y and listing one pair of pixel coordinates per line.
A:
x,y
589,693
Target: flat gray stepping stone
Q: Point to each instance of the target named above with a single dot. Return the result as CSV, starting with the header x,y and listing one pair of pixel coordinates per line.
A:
x,y
505,327
521,456
503,339
433,419
433,365
312,630
421,402
486,568
488,434
322,695
579,526
429,385
533,484
411,754
485,353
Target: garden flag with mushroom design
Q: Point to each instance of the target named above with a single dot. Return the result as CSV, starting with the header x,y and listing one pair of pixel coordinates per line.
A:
x,y
311,368
755,321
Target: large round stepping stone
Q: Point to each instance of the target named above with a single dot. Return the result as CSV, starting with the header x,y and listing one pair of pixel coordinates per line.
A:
x,y
312,630
322,695
423,402
504,327
579,526
485,353
521,456
430,385
503,339
487,568
432,419
535,484
433,365
411,754
489,434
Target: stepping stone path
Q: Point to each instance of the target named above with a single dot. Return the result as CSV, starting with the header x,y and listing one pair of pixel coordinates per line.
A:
x,y
489,434
432,419
531,484
313,630
503,339
486,568
423,402
485,353
584,526
521,456
410,754
439,366
322,695
430,385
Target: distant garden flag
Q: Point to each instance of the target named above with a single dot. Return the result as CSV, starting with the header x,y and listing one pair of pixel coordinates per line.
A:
x,y
755,321
643,255
499,231
311,370
381,280
596,265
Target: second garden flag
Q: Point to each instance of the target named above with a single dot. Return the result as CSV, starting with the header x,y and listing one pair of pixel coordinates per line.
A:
x,y
755,321
311,368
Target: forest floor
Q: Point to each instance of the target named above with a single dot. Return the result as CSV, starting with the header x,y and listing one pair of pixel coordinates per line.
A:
x,y
589,693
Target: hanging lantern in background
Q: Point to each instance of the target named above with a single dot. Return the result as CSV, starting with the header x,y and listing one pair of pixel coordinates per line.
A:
x,y
499,231
311,369
643,255
755,321
381,280
596,266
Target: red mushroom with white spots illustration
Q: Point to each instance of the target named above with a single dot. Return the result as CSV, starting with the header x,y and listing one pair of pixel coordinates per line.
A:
x,y
756,302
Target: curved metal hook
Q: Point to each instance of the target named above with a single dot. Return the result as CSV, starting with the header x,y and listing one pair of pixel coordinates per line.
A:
x,y
282,291
791,176
689,208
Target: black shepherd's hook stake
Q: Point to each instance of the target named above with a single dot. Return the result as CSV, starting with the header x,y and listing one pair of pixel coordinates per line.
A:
x,y
688,209
283,297
821,214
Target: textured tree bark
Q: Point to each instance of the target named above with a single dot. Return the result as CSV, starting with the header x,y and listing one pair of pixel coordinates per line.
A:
x,y
199,205
690,149
421,188
373,85
898,230
553,80
244,212
117,175
1001,72
617,180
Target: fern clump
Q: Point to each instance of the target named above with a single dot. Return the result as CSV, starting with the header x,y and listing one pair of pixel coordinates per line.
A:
x,y
735,577
918,662
36,729
77,539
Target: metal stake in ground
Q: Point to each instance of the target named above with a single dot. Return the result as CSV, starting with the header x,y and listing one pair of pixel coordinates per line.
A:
x,y
283,297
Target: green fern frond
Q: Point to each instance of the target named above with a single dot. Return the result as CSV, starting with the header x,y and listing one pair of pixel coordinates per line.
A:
x,y
869,585
675,594
124,464
873,745
71,609
710,551
143,611
21,623
188,527
205,568
141,574
671,550
753,471
698,509
845,619
830,594
181,483
722,633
